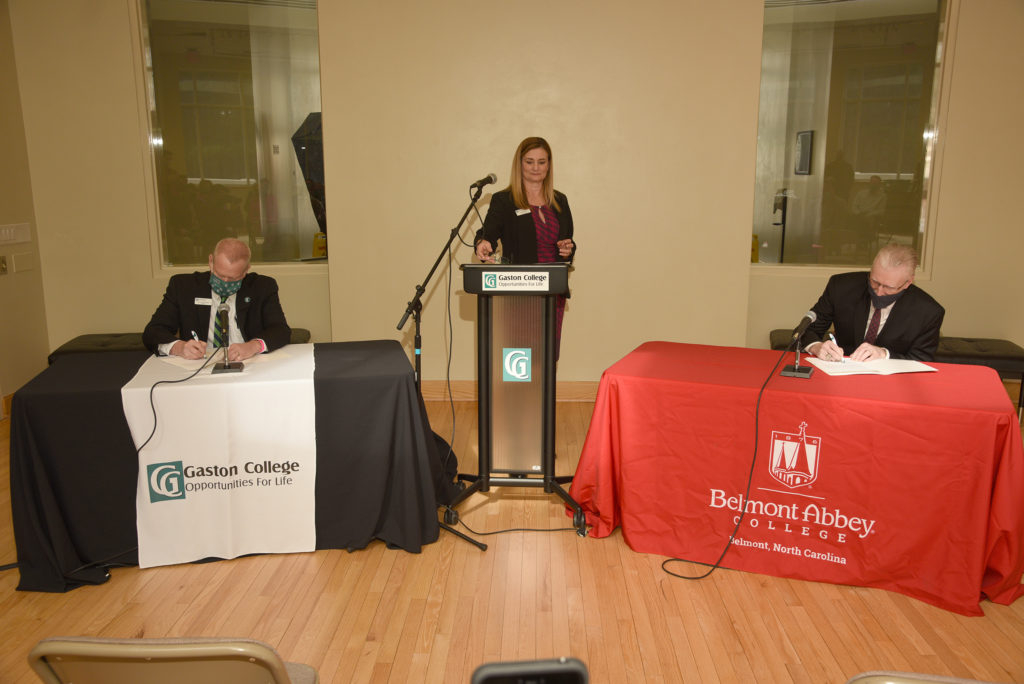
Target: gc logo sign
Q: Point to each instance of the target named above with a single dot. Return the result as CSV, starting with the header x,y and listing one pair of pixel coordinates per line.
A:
x,y
166,481
515,364
490,281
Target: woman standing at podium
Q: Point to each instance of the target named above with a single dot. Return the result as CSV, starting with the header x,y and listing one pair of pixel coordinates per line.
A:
x,y
530,218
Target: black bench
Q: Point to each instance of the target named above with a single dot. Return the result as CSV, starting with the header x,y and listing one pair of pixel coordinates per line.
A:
x,y
1003,356
100,342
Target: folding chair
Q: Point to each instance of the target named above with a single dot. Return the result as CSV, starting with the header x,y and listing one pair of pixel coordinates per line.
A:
x,y
88,660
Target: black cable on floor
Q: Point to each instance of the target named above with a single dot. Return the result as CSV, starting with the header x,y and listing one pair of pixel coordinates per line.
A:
x,y
515,529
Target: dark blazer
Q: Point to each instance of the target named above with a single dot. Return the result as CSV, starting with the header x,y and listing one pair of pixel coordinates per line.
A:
x,y
258,311
910,332
518,235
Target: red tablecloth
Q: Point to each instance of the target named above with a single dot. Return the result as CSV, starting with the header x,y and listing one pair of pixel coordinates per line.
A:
x,y
912,483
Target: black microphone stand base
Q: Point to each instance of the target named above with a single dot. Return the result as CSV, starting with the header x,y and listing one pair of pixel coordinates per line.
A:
x,y
235,367
552,485
226,366
474,542
794,371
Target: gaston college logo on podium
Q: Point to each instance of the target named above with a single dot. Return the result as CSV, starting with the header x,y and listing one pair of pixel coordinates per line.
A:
x,y
795,457
516,364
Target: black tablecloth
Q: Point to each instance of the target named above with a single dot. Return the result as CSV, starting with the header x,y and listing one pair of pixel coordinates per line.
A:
x,y
74,467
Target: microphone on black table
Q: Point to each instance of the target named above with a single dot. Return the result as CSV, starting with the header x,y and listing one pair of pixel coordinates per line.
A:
x,y
486,180
222,324
800,329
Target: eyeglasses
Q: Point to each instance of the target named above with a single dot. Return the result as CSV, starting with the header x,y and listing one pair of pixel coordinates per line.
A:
x,y
881,289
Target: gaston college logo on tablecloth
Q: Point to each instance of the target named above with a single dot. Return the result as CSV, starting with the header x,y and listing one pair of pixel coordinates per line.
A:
x,y
795,457
166,481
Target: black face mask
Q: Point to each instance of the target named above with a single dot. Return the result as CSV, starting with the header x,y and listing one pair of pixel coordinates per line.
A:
x,y
882,301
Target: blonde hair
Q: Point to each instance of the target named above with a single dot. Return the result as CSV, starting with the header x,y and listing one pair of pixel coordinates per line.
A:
x,y
515,184
894,256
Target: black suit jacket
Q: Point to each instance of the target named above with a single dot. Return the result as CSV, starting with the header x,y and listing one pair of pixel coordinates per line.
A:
x,y
258,311
518,235
910,332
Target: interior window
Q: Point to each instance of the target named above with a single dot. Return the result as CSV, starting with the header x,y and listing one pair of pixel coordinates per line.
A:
x,y
234,95
844,128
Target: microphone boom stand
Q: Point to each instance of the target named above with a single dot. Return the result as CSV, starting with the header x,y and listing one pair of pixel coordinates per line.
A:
x,y
414,309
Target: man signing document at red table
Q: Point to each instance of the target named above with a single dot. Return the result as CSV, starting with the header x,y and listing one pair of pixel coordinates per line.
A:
x,y
877,315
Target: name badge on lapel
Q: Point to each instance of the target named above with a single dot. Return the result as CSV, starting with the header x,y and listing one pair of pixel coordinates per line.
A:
x,y
203,301
522,212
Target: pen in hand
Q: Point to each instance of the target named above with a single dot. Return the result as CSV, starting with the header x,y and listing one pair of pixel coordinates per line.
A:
x,y
194,336
833,338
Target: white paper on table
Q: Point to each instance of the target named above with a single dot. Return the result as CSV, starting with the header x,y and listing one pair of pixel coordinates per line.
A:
x,y
877,367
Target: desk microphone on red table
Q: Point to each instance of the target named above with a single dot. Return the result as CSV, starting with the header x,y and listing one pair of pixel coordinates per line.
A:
x,y
808,318
795,370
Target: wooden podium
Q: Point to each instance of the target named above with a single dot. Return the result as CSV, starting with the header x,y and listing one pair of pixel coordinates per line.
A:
x,y
516,379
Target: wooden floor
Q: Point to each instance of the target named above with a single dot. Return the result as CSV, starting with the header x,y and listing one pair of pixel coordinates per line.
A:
x,y
380,615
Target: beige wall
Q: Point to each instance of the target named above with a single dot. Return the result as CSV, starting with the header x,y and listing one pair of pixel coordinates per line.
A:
x,y
978,233
22,312
651,108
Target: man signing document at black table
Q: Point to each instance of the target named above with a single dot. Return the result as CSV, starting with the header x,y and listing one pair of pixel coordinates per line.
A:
x,y
185,323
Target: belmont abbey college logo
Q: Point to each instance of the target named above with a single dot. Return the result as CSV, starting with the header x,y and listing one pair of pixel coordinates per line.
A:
x,y
166,481
795,457
515,364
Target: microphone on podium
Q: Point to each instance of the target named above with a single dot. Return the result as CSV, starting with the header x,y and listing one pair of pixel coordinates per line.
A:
x,y
486,180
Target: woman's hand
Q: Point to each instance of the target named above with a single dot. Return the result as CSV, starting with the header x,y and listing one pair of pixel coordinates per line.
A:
x,y
565,247
484,251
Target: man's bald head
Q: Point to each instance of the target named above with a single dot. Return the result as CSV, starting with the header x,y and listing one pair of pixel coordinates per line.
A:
x,y
230,259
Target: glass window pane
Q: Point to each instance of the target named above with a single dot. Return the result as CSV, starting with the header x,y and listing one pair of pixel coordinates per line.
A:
x,y
190,142
915,80
857,77
221,144
913,142
853,84
218,68
186,89
217,89
879,136
884,81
